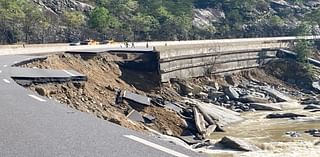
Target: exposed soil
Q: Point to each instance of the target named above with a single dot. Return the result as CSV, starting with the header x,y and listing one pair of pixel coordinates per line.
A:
x,y
98,94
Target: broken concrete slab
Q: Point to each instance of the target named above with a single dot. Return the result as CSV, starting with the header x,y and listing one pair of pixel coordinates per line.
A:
x,y
253,99
284,115
279,96
206,117
231,92
265,107
220,114
172,107
237,144
289,105
199,121
188,137
214,94
148,118
33,75
210,129
135,116
137,98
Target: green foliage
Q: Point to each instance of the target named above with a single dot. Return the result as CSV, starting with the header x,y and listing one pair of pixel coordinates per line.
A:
x,y
276,21
73,19
297,2
303,50
303,29
102,21
313,17
142,19
144,23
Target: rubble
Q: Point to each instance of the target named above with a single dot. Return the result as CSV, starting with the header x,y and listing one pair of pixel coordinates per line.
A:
x,y
314,132
293,134
231,92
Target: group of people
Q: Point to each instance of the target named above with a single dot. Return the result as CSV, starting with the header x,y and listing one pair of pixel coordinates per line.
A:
x,y
126,45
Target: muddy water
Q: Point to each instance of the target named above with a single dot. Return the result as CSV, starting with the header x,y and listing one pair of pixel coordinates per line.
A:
x,y
270,135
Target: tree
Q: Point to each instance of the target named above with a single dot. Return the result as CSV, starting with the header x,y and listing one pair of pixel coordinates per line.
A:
x,y
102,21
303,29
144,24
11,18
74,21
276,21
32,20
303,50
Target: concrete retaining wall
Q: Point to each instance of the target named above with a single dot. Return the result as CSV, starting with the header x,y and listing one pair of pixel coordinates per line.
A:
x,y
194,60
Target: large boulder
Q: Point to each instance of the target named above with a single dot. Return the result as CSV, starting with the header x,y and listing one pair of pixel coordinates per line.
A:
x,y
231,92
284,115
237,144
265,107
312,106
278,95
253,99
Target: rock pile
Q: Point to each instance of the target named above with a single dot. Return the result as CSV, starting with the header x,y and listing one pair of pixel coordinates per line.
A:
x,y
247,96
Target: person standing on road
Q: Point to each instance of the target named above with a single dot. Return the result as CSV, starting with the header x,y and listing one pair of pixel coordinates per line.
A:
x,y
132,45
126,44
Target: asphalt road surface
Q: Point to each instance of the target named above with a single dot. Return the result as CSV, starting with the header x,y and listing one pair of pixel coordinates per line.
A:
x,y
33,126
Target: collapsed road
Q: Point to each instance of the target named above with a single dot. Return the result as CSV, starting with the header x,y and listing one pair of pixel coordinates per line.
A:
x,y
205,105
32,125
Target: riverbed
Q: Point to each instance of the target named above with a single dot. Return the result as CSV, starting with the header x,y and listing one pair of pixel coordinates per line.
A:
x,y
270,135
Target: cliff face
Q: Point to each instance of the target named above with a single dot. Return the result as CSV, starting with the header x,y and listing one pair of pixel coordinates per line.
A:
x,y
58,6
267,18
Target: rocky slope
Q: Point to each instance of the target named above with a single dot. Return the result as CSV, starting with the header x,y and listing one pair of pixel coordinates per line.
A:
x,y
266,18
58,6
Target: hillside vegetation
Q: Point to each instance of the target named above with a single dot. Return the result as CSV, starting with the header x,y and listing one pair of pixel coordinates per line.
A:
x,y
42,21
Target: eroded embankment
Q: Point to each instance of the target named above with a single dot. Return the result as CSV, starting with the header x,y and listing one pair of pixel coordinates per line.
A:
x,y
98,94
190,109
